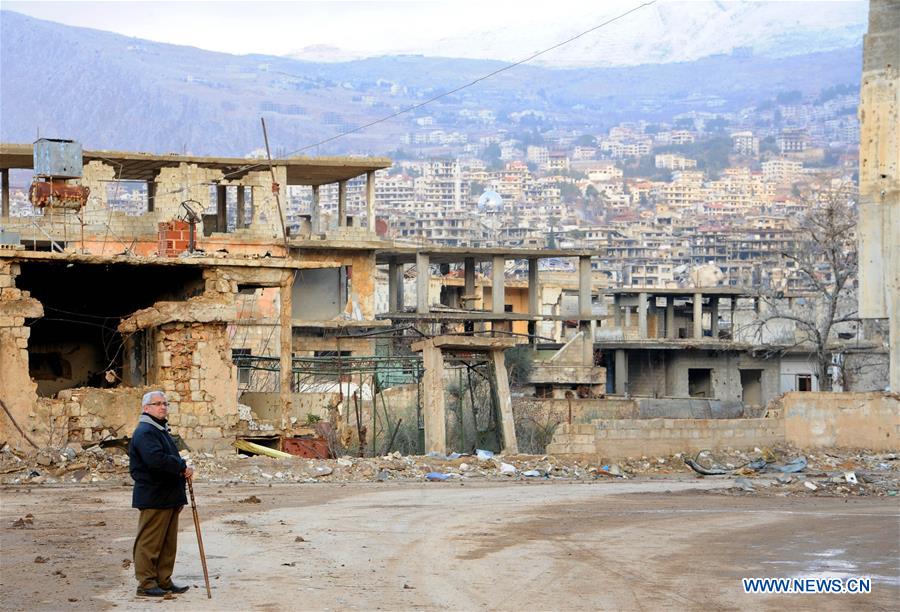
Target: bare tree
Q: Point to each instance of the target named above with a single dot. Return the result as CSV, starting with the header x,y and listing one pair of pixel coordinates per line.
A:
x,y
824,261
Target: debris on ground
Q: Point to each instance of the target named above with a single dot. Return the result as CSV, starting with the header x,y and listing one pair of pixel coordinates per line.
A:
x,y
788,470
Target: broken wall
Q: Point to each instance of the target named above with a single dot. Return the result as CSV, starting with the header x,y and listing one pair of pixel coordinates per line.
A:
x,y
852,420
18,392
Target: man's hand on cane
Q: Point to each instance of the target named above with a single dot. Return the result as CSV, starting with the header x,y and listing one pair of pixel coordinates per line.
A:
x,y
188,472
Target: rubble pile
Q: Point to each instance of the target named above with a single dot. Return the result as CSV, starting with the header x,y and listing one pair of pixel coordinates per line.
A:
x,y
828,473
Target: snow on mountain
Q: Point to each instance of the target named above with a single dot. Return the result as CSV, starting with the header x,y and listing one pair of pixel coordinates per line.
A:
x,y
661,33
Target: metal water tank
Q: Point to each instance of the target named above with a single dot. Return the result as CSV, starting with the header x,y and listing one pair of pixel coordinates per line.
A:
x,y
56,158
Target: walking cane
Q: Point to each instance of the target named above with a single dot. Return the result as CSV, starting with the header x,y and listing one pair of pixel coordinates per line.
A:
x,y
199,537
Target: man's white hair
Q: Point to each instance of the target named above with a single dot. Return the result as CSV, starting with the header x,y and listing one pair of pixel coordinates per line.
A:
x,y
148,397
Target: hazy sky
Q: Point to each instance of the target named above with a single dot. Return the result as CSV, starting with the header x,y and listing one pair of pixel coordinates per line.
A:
x,y
504,29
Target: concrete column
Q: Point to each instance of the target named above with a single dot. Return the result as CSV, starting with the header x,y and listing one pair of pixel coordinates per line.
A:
x,y
370,200
221,208
507,425
534,287
670,317
498,288
714,316
423,281
698,316
433,410
642,316
316,212
621,372
342,204
4,207
151,195
286,364
469,288
587,343
733,301
584,286
617,310
240,207
395,286
627,316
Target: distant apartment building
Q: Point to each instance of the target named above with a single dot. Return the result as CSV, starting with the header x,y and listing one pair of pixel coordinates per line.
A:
x,y
556,162
792,141
537,155
671,161
745,143
781,171
604,173
682,137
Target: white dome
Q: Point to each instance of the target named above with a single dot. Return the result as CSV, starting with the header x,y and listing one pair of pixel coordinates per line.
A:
x,y
490,201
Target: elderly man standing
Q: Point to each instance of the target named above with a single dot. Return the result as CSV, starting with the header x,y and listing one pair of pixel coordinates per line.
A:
x,y
159,475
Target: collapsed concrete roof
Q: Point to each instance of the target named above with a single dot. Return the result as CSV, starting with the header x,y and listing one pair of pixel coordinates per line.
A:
x,y
144,166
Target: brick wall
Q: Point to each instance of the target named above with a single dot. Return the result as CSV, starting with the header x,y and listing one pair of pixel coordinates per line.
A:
x,y
174,237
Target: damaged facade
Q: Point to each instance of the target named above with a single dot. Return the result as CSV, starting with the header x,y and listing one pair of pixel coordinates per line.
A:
x,y
106,302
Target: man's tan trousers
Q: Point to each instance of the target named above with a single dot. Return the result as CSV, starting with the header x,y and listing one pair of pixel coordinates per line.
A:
x,y
155,547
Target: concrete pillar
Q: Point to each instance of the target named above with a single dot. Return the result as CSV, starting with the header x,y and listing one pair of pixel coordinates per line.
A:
x,y
617,310
670,317
733,307
370,200
221,208
642,316
286,362
621,372
433,410
698,316
507,425
584,287
395,286
4,208
627,316
469,288
714,316
342,204
879,176
423,282
587,343
151,195
316,212
498,280
534,287
240,207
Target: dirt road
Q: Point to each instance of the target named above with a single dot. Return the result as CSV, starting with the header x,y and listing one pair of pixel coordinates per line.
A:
x,y
637,545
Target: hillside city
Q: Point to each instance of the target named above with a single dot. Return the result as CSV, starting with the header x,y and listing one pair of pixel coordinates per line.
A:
x,y
659,199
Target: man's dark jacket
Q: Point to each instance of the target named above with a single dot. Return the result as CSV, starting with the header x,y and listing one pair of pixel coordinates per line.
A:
x,y
156,467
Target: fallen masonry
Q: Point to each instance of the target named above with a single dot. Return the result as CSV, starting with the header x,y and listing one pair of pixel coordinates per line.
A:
x,y
830,472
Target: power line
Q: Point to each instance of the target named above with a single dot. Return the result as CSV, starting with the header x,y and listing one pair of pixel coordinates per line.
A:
x,y
455,90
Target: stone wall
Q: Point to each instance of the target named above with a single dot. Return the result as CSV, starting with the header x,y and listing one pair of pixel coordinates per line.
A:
x,y
806,420
866,420
195,370
17,390
617,438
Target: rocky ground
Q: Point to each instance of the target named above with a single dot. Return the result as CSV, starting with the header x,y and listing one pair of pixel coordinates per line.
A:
x,y
667,541
827,473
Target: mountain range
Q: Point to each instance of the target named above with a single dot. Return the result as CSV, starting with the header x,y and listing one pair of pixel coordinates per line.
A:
x,y
114,92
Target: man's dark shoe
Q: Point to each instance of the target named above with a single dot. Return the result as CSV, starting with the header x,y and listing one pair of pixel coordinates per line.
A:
x,y
152,592
174,588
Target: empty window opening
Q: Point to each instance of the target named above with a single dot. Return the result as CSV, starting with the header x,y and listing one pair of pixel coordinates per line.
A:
x,y
230,207
751,387
129,197
320,294
700,382
804,382
241,358
76,343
